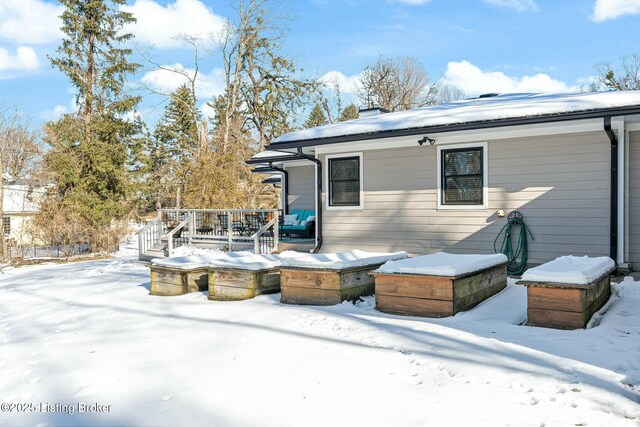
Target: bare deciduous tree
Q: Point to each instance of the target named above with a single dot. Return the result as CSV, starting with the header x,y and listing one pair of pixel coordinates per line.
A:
x,y
627,77
396,85
449,93
21,145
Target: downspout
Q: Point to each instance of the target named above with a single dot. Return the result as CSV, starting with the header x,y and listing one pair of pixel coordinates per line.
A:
x,y
285,187
613,220
316,249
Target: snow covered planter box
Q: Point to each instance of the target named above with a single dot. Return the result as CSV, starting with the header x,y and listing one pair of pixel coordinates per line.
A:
x,y
566,292
242,276
327,279
178,276
438,285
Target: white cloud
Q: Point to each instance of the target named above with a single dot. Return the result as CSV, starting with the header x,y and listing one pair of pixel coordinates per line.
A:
x,y
165,80
473,81
347,84
207,111
521,5
612,9
30,21
59,110
25,58
159,25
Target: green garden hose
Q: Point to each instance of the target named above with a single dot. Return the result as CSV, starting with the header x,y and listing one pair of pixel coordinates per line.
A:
x,y
514,267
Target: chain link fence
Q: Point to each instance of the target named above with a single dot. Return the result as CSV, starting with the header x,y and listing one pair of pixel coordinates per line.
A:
x,y
52,251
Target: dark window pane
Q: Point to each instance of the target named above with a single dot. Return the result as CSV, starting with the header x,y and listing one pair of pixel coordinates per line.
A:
x,y
463,162
346,193
462,176
344,181
463,189
345,169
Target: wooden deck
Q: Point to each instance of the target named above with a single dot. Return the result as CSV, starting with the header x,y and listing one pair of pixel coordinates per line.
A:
x,y
436,296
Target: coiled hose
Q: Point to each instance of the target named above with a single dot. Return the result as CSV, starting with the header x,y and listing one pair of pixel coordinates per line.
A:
x,y
514,267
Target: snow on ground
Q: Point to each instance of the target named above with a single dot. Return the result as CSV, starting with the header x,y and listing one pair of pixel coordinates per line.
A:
x,y
90,333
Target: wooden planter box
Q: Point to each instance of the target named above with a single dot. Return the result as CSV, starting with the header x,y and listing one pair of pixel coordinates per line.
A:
x,y
229,284
323,286
565,306
170,281
436,296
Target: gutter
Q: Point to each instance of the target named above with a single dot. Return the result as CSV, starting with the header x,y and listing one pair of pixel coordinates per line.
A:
x,y
285,188
613,215
316,249
551,118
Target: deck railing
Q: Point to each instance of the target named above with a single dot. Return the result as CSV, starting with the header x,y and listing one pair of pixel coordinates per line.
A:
x,y
230,229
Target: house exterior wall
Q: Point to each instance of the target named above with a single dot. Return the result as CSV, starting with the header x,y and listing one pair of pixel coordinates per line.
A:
x,y
301,193
561,184
634,199
20,229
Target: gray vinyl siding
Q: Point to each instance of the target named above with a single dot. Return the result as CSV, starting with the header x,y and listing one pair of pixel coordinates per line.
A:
x,y
560,184
634,199
301,187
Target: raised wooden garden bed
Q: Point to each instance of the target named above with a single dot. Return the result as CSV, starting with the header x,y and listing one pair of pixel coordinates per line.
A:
x,y
565,305
231,284
436,296
314,286
170,281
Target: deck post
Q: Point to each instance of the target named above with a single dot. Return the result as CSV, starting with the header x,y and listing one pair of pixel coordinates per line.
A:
x,y
230,229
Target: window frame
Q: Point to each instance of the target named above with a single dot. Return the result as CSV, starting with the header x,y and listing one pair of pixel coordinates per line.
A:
x,y
6,225
327,172
485,177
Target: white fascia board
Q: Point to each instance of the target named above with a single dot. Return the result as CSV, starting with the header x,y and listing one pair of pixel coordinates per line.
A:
x,y
633,127
469,136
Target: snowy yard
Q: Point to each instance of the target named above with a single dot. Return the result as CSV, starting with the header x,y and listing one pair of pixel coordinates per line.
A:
x,y
90,333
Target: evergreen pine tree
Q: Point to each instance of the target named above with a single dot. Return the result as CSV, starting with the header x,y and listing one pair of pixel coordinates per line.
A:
x,y
316,117
349,113
174,145
93,150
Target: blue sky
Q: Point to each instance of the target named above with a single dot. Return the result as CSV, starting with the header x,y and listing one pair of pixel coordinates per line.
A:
x,y
478,45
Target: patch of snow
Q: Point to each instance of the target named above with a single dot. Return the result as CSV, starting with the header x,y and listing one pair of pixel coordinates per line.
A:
x,y
443,264
570,269
337,260
507,106
90,332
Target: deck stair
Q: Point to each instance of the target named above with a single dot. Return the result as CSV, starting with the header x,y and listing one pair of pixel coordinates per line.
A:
x,y
244,229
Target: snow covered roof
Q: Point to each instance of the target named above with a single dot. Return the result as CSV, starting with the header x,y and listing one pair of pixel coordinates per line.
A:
x,y
476,113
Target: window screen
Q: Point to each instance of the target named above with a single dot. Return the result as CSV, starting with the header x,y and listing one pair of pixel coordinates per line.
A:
x,y
344,181
462,176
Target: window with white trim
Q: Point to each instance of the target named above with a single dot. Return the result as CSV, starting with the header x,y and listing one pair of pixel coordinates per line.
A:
x,y
462,176
344,178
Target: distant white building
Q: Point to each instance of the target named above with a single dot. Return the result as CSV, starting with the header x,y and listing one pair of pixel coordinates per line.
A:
x,y
21,202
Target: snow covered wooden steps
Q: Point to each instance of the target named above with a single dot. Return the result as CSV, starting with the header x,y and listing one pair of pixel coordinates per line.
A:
x,y
243,275
566,292
438,285
327,279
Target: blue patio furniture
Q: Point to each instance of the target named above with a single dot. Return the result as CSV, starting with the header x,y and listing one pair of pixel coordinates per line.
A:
x,y
302,227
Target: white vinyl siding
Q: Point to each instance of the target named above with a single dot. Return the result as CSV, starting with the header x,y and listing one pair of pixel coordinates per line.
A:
x,y
302,188
559,183
634,199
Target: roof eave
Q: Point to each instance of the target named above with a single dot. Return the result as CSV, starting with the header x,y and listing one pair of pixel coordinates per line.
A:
x,y
558,117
